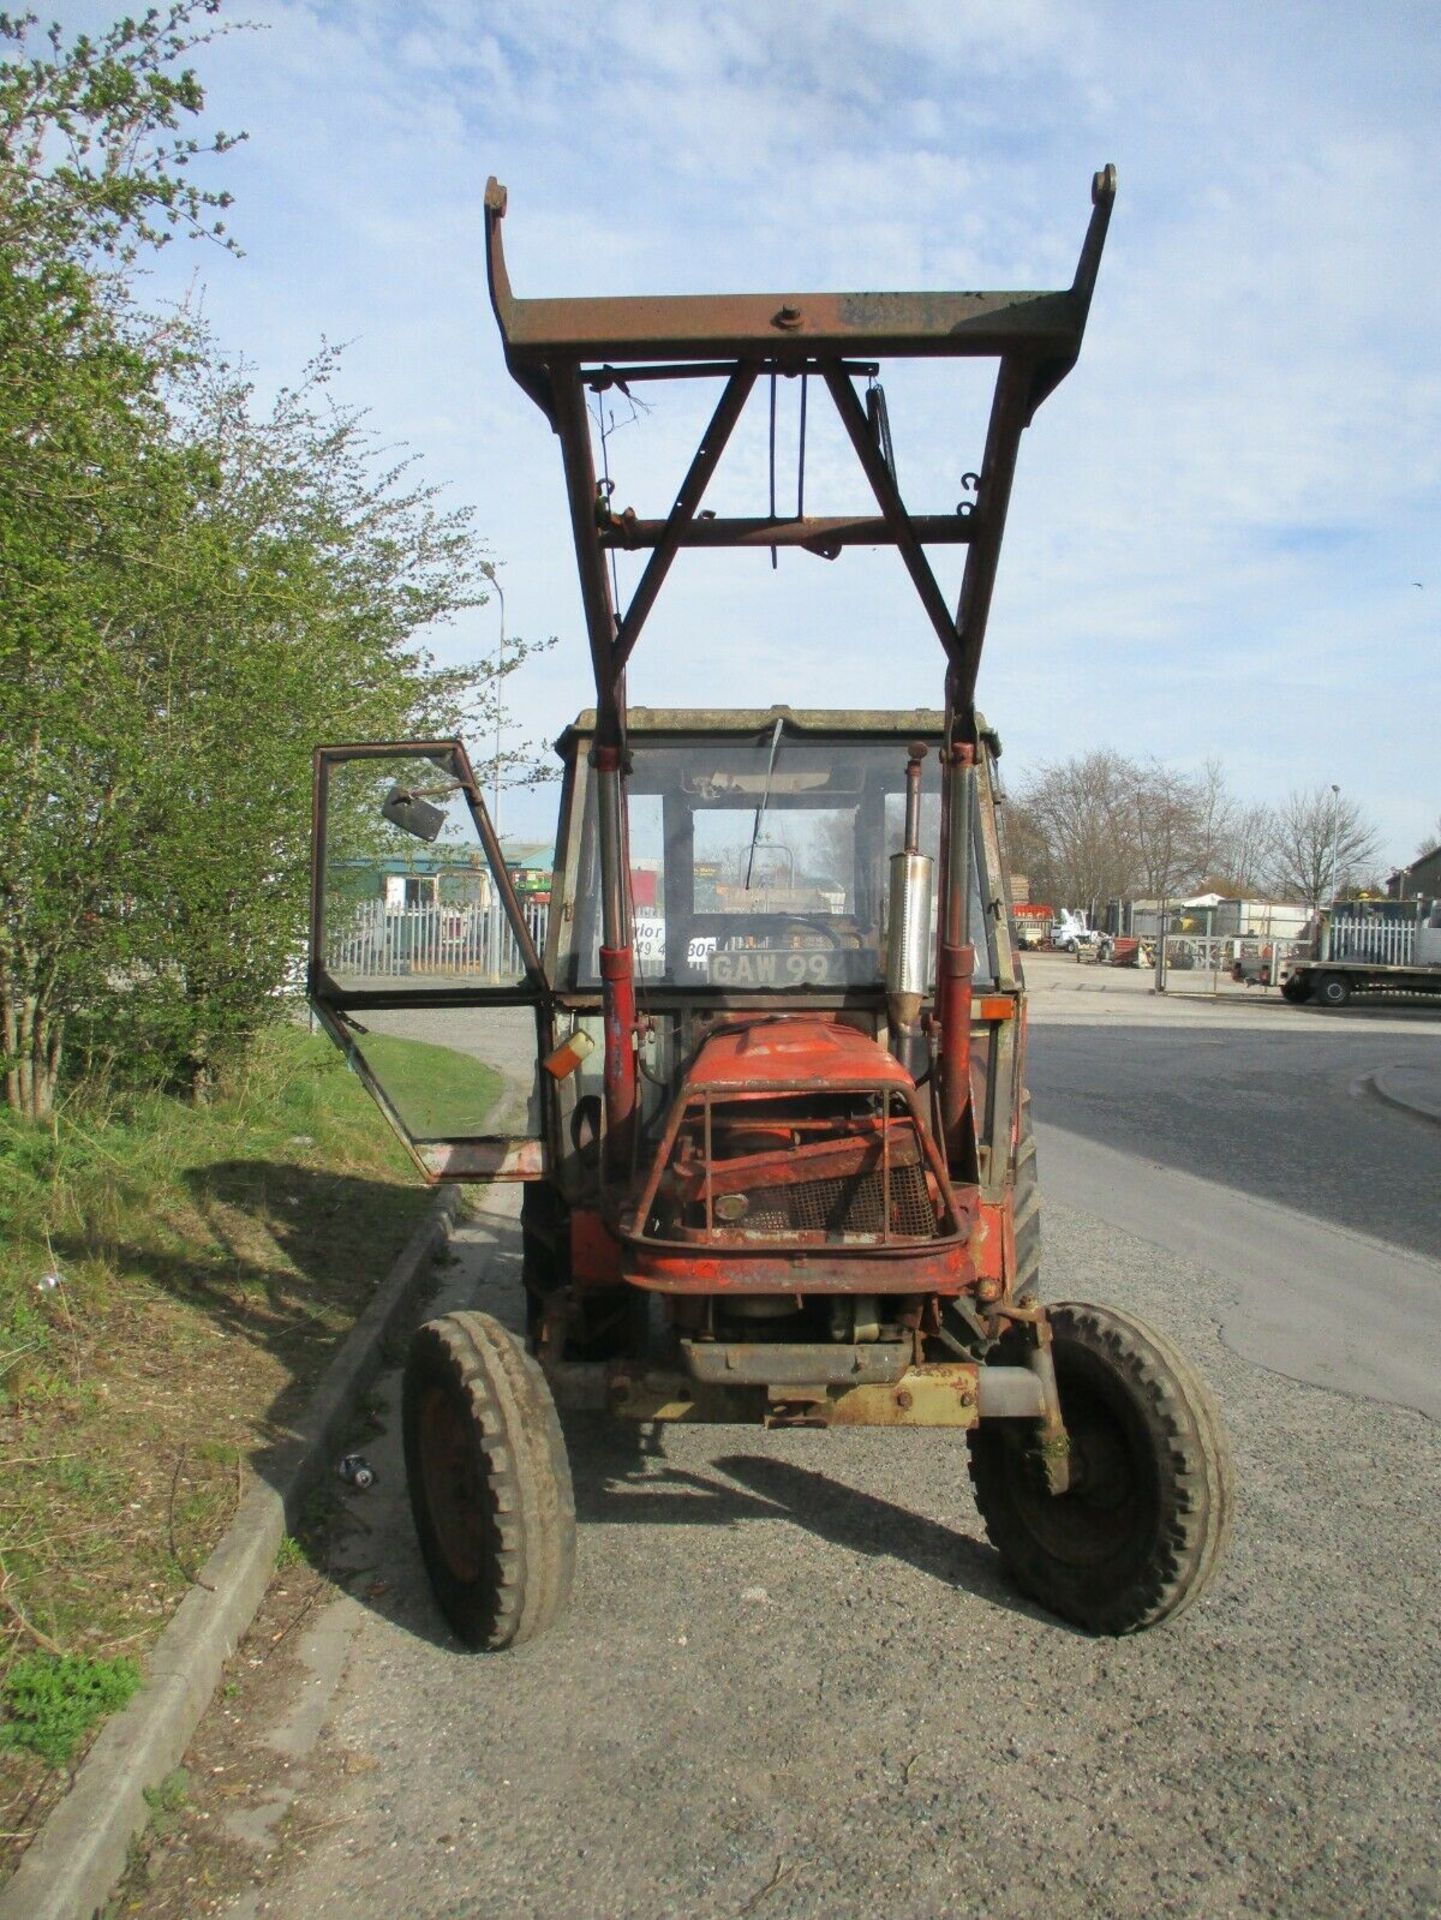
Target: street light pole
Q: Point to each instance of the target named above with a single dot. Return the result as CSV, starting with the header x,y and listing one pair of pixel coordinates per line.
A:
x,y
1335,839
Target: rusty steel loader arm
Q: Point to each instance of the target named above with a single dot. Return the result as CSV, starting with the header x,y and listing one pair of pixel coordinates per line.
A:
x,y
557,350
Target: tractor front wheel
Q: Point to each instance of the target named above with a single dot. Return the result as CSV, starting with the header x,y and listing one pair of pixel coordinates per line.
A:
x,y
489,1481
1140,1530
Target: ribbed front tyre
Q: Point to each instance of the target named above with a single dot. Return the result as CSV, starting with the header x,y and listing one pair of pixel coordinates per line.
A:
x,y
1143,1525
489,1481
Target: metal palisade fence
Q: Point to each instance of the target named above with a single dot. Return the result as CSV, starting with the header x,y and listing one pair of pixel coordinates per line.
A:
x,y
1364,937
381,942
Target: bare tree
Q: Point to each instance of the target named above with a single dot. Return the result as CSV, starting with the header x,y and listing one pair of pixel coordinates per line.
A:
x,y
1083,811
1172,822
1320,839
1101,827
1216,814
1244,856
1028,852
1430,841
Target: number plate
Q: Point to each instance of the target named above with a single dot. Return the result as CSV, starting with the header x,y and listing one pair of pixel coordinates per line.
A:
x,y
791,967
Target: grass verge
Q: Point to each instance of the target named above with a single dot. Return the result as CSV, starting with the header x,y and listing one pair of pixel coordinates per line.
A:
x,y
173,1281
439,1093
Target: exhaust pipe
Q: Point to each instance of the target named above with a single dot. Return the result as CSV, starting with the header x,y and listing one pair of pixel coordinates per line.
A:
x,y
908,929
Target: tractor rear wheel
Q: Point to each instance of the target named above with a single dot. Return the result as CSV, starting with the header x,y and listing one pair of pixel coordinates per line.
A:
x,y
1140,1530
489,1481
1026,1202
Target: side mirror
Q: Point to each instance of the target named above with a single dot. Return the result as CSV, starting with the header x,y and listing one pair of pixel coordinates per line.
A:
x,y
412,815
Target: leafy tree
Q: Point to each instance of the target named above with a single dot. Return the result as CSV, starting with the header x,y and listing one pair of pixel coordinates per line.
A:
x,y
93,156
77,424
296,573
91,168
193,591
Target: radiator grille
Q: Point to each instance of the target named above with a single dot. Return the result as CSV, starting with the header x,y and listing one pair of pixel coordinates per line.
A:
x,y
853,1205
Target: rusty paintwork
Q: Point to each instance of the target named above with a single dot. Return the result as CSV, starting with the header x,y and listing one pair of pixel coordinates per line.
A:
x,y
757,1074
792,1156
765,1363
942,1395
754,1056
595,1252
481,1160
733,1268
945,1395
556,349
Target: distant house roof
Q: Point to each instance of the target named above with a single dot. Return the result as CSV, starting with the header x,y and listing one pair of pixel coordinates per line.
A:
x,y
449,858
1422,876
528,853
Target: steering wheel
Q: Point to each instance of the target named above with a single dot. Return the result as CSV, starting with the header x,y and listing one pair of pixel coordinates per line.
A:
x,y
780,921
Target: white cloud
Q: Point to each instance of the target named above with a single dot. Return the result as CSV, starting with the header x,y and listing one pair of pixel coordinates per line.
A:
x,y
1216,518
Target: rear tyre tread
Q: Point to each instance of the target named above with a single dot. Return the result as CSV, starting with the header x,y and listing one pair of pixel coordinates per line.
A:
x,y
528,1553
1026,1205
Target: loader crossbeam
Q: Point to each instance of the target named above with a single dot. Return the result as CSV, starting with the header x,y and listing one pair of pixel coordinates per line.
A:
x,y
558,350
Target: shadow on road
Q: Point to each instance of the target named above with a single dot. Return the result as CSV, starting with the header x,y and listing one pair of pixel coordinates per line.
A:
x,y
621,1477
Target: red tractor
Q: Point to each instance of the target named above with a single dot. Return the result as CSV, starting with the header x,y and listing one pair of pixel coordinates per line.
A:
x,y
763,1073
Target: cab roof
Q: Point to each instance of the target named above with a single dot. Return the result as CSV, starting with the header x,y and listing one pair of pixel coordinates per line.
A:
x,y
911,723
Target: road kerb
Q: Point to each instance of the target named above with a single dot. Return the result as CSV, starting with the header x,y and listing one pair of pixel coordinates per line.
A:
x,y
70,1869
1425,1107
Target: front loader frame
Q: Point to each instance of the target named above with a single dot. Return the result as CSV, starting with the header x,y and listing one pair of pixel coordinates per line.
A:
x,y
560,350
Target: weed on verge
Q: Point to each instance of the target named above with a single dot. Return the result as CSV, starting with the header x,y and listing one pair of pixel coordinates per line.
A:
x,y
52,1703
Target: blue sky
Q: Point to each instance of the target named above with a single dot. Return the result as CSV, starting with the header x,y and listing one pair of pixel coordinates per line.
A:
x,y
1218,518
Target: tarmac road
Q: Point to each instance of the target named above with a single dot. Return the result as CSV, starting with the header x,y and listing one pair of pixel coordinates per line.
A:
x,y
1296,1152
1277,1102
793,1682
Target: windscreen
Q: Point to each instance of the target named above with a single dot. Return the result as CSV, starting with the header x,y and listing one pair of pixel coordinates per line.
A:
x,y
762,864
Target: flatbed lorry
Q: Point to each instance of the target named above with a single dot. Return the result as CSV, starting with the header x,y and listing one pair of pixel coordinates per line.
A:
x,y
1372,947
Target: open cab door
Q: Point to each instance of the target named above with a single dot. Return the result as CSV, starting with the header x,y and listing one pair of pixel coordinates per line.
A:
x,y
424,969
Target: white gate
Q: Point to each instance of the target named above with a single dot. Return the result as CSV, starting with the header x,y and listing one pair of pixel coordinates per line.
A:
x,y
1387,943
435,942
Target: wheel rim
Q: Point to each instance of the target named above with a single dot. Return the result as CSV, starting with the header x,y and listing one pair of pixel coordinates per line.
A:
x,y
451,1475
1111,1509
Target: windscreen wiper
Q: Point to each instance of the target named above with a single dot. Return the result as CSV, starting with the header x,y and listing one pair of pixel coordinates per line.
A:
x,y
761,808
